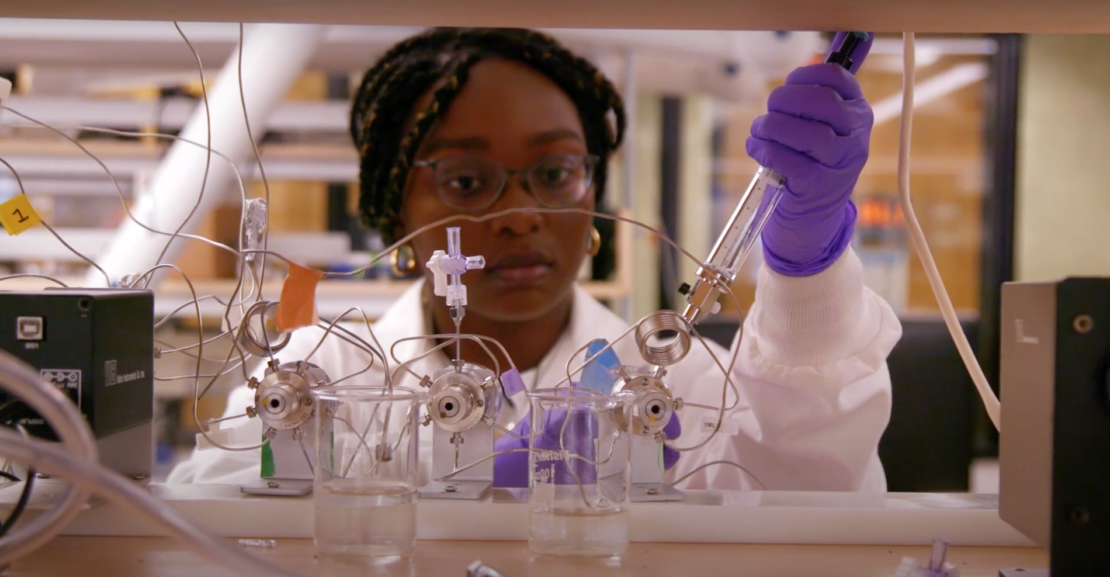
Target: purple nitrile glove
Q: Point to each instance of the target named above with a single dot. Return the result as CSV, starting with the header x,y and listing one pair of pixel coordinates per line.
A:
x,y
580,436
816,134
672,431
511,469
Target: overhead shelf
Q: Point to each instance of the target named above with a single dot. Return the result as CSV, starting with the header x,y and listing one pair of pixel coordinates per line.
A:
x,y
1066,16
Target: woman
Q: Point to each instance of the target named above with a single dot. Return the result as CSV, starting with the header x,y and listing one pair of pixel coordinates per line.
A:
x,y
478,121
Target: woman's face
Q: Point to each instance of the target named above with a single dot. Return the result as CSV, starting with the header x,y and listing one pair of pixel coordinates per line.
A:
x,y
514,115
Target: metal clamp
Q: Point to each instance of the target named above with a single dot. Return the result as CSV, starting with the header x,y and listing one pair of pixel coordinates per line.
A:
x,y
652,407
459,401
283,398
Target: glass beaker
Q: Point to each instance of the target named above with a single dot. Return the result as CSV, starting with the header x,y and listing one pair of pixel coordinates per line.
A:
x,y
580,473
366,469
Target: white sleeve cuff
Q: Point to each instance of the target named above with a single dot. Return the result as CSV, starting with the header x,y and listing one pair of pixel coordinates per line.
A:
x,y
818,319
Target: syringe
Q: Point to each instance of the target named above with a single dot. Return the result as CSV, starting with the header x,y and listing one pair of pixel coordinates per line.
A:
x,y
447,270
747,222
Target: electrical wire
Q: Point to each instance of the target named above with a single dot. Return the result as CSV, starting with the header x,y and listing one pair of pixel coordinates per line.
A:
x,y
300,440
917,237
570,373
257,156
469,466
222,373
711,463
728,385
724,389
33,275
505,430
335,322
256,283
200,354
22,191
498,214
207,157
727,376
238,174
184,305
450,339
531,210
242,356
238,289
24,495
200,343
352,339
111,176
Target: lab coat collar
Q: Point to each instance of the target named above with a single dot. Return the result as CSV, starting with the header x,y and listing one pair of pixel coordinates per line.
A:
x,y
406,319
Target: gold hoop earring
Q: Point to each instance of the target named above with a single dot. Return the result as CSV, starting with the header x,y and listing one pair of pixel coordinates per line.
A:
x,y
403,268
595,242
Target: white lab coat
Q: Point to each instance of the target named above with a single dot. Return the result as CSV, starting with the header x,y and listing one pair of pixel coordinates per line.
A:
x,y
811,371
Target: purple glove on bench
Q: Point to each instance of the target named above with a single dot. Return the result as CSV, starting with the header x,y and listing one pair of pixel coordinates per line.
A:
x,y
511,470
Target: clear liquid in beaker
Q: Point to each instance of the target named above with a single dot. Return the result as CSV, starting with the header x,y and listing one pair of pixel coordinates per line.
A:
x,y
360,517
579,531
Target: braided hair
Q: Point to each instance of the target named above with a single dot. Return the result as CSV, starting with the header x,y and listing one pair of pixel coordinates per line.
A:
x,y
443,57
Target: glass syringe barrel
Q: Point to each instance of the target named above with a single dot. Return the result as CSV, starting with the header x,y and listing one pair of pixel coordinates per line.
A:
x,y
735,243
746,223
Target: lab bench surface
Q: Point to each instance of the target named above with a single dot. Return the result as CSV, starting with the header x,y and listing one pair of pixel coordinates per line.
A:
x,y
164,557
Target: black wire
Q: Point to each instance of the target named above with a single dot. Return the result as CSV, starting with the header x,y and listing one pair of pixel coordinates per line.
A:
x,y
21,506
24,497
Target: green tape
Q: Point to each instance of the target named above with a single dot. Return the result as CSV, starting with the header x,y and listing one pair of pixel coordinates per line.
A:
x,y
267,461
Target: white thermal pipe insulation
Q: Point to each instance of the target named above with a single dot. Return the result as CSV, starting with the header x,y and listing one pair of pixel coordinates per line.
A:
x,y
274,56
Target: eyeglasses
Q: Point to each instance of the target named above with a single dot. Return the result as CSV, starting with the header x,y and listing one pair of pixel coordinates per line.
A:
x,y
472,183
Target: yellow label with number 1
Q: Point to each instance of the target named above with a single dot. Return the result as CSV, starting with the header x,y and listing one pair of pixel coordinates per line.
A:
x,y
17,215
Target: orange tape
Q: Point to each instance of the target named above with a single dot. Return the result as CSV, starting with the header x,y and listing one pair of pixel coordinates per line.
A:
x,y
297,307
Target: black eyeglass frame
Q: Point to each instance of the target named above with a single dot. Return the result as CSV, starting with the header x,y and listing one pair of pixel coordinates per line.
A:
x,y
589,164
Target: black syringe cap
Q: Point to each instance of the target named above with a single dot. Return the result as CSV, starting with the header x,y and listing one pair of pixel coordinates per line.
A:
x,y
843,55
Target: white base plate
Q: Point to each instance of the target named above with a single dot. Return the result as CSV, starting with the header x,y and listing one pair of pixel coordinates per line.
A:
x,y
460,490
702,517
278,488
655,493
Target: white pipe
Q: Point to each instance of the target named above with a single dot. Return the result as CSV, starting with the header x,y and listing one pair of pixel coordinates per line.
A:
x,y
274,56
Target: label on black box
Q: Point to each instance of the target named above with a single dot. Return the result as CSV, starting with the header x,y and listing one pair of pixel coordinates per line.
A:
x,y
68,380
112,376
